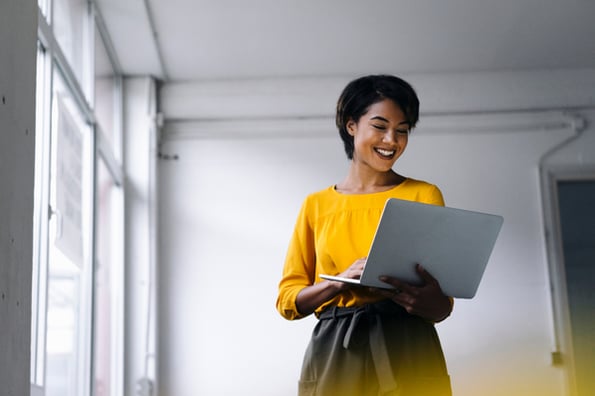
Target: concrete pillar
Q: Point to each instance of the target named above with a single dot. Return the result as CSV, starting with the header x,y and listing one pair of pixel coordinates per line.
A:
x,y
18,35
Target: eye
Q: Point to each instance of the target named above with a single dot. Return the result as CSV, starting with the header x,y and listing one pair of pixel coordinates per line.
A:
x,y
379,127
403,131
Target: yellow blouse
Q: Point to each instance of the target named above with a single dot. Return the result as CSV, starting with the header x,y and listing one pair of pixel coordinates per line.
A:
x,y
331,232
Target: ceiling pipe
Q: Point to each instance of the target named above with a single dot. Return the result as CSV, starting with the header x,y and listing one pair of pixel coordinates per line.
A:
x,y
321,127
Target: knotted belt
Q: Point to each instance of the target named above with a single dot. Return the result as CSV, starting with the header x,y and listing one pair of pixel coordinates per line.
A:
x,y
378,350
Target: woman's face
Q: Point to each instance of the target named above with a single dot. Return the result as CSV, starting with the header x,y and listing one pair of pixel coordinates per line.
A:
x,y
379,136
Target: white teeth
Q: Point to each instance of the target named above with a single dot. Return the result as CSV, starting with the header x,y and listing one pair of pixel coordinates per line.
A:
x,y
386,153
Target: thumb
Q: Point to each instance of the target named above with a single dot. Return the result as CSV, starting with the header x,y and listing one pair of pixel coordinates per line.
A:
x,y
425,275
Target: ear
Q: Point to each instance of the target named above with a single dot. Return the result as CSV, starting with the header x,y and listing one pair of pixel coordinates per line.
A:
x,y
351,127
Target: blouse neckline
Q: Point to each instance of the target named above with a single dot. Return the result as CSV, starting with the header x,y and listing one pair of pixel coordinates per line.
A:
x,y
334,189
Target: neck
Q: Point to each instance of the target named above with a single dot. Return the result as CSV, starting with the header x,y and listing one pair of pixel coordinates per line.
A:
x,y
366,181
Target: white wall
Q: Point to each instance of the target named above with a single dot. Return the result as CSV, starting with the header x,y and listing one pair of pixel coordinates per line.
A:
x,y
227,208
18,24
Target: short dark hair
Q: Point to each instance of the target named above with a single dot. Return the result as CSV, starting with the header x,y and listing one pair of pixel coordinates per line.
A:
x,y
363,92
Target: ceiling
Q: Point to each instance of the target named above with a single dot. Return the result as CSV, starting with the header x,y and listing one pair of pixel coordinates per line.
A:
x,y
180,40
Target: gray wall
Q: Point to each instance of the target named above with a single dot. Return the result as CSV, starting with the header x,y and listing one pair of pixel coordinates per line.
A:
x,y
18,35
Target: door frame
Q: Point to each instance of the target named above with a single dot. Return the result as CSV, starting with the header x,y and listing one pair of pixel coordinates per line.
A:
x,y
551,175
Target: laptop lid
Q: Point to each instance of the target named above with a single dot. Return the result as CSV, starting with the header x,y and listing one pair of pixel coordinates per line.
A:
x,y
453,245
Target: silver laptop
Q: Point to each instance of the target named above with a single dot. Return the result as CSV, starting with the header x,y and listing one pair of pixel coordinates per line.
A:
x,y
453,245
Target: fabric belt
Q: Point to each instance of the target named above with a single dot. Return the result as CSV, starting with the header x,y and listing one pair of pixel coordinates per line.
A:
x,y
378,350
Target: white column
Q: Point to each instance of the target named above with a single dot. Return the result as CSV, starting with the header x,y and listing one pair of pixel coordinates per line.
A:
x,y
140,156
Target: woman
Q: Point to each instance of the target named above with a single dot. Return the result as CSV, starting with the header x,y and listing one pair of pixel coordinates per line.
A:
x,y
367,341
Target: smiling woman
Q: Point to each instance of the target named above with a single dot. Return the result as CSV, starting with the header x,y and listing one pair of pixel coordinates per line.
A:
x,y
367,341
362,96
379,137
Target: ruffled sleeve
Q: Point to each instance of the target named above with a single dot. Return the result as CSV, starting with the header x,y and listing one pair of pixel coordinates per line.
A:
x,y
300,265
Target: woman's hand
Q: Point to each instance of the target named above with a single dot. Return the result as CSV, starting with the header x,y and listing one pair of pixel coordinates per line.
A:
x,y
311,297
353,272
426,300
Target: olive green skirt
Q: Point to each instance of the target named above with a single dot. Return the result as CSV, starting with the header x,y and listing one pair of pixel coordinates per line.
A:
x,y
376,349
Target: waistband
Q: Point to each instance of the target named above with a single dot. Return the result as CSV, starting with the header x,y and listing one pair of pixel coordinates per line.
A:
x,y
384,307
374,313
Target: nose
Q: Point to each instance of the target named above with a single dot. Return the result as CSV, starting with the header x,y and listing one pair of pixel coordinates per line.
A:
x,y
390,137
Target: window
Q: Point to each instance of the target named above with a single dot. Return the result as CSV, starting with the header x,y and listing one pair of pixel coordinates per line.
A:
x,y
71,25
108,320
69,264
107,98
40,218
77,326
108,323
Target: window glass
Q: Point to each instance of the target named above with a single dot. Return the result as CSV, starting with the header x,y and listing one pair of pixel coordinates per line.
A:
x,y
71,28
68,288
105,96
108,284
40,218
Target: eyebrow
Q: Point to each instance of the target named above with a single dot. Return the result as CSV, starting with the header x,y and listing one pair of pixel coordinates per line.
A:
x,y
387,121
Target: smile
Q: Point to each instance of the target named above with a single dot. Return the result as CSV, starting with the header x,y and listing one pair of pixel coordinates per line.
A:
x,y
385,153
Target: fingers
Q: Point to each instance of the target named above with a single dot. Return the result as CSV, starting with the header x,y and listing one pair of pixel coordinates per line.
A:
x,y
396,283
425,300
396,295
421,271
355,269
400,293
360,263
425,275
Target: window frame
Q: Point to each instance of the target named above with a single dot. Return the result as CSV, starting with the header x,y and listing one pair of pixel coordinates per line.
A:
x,y
51,60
